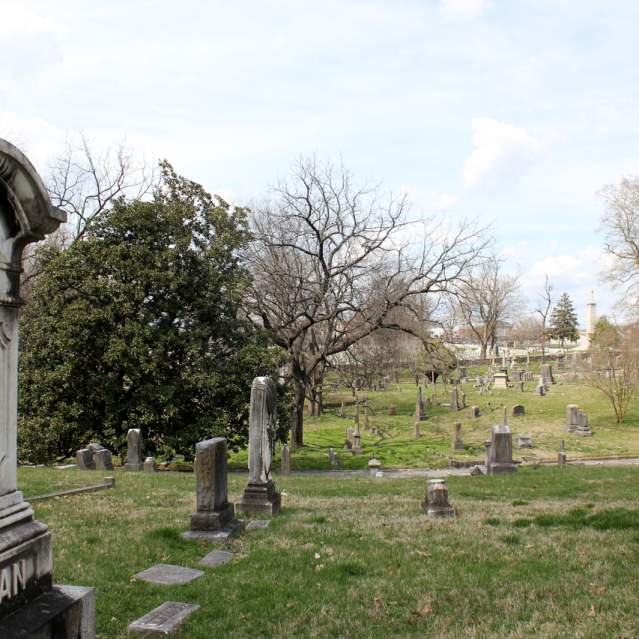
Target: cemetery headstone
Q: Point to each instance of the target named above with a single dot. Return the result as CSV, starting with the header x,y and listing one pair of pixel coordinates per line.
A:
x,y
84,459
520,385
571,417
583,429
168,575
525,441
149,465
260,496
285,460
374,466
562,458
541,388
214,511
103,459
501,451
435,501
420,414
27,594
546,375
162,621
332,457
366,422
475,412
134,450
416,429
454,398
518,410
458,443
392,410
500,380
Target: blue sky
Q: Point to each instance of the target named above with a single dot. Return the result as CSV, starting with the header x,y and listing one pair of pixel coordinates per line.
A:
x,y
514,112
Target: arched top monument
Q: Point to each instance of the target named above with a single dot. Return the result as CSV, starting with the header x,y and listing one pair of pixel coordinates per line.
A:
x,y
26,215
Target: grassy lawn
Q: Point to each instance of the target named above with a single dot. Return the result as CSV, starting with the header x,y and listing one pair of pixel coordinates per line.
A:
x,y
548,552
397,448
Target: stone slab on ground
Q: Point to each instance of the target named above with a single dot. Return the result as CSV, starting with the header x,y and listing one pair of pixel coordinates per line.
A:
x,y
68,611
163,620
217,558
168,575
256,524
215,536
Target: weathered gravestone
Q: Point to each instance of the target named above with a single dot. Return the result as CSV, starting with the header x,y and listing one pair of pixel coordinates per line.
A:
x,y
285,460
260,496
30,606
356,442
458,443
134,450
541,387
546,375
525,441
149,465
518,410
374,466
392,410
84,459
420,413
162,621
214,514
571,417
583,428
454,398
475,412
499,451
500,380
436,500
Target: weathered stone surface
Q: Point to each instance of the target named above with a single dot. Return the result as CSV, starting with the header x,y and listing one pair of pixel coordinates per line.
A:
x,y
103,459
149,465
583,428
541,388
84,459
458,443
217,558
454,399
475,412
64,612
168,575
134,450
162,621
500,380
525,441
258,524
374,466
260,496
518,410
214,512
285,460
436,500
571,417
420,412
392,410
500,451
26,215
561,457
211,536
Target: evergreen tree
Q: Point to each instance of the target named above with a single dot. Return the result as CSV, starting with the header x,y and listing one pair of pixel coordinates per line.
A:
x,y
137,325
563,321
606,334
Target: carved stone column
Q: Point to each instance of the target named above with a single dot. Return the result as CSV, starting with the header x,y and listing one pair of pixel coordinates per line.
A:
x,y
26,216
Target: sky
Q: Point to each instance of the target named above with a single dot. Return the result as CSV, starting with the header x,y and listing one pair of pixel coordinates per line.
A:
x,y
515,113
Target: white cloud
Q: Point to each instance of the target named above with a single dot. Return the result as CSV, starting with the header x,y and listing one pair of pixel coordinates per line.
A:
x,y
464,8
500,150
427,202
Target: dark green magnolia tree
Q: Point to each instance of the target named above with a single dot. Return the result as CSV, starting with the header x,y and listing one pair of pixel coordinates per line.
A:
x,y
136,326
563,321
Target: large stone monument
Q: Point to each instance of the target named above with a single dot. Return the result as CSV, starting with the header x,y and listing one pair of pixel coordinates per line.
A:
x,y
30,606
134,450
214,512
499,451
260,496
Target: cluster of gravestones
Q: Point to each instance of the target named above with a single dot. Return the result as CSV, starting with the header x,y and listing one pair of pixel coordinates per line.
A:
x,y
214,520
94,457
97,457
577,421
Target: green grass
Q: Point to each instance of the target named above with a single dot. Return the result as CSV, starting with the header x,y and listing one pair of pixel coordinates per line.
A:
x,y
397,448
356,557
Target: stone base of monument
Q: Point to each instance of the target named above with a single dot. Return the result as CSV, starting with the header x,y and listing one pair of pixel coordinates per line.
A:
x,y
213,520
259,499
501,468
134,468
64,612
220,535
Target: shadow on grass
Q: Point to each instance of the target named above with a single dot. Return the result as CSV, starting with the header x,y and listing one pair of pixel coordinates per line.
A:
x,y
614,519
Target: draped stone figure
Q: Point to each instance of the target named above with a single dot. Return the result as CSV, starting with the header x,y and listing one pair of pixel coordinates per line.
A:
x,y
26,215
260,496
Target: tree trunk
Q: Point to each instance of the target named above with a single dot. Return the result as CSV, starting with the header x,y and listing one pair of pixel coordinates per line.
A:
x,y
298,425
482,353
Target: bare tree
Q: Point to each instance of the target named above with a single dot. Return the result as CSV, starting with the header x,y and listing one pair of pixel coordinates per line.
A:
x,y
614,367
485,298
85,183
620,223
330,267
543,310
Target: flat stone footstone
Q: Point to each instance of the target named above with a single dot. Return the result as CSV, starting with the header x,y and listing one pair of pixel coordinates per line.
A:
x,y
212,536
256,524
217,558
168,575
163,620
